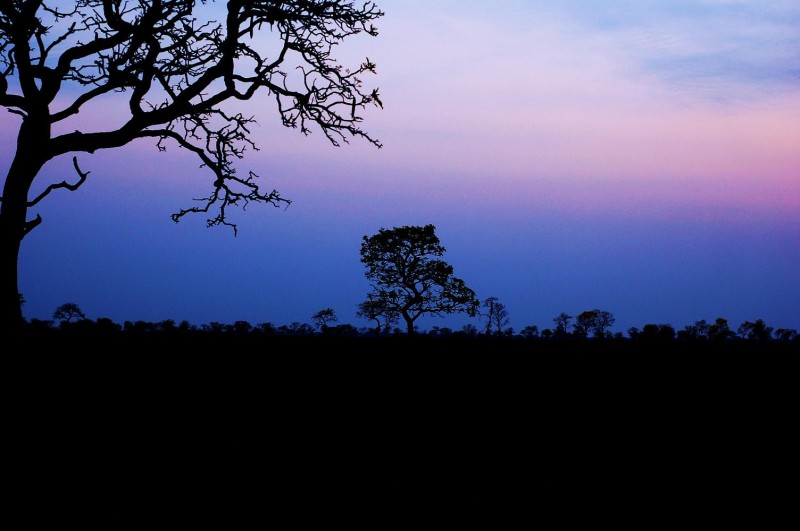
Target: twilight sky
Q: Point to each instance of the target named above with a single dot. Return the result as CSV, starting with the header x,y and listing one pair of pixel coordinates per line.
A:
x,y
640,157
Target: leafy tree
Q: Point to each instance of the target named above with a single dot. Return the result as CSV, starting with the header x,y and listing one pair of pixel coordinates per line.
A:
x,y
786,335
596,321
384,315
177,68
584,322
496,315
755,331
69,312
323,317
530,331
408,278
719,330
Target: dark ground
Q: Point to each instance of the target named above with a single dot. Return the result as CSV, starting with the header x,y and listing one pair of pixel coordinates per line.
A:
x,y
394,434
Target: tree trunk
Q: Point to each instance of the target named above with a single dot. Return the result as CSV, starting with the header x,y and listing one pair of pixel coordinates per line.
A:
x,y
409,323
28,160
11,319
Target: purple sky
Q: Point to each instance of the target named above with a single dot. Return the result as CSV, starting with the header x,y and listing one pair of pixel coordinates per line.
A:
x,y
637,157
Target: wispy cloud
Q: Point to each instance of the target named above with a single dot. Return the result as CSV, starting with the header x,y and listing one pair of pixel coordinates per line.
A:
x,y
718,50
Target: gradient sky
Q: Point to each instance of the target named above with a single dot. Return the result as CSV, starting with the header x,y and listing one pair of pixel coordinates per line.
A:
x,y
641,157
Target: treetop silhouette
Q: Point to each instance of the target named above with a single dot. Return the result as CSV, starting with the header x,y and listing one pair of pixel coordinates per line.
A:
x,y
408,279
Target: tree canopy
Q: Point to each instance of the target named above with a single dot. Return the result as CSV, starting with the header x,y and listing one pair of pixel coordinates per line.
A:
x,y
409,279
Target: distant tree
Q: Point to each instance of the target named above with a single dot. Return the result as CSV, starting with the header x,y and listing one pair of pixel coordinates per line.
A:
x,y
178,69
562,322
443,331
342,330
755,331
469,330
68,312
241,328
596,321
720,331
213,328
384,314
104,325
584,322
786,335
530,331
267,329
167,326
547,333
656,332
634,332
496,315
323,317
649,332
296,328
666,332
408,278
603,322
701,329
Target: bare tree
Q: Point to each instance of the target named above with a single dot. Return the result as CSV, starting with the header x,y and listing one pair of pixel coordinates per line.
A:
x,y
496,315
177,67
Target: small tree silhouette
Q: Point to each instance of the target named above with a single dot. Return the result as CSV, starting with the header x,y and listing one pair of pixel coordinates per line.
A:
x,y
323,317
374,309
562,321
68,312
496,315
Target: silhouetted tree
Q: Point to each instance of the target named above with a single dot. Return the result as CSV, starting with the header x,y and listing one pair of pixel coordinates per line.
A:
x,y
584,322
562,322
720,331
530,331
656,332
176,66
786,335
602,322
469,330
267,329
323,317
296,328
408,278
68,312
755,331
496,315
384,315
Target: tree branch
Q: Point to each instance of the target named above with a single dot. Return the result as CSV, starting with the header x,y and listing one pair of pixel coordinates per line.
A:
x,y
62,184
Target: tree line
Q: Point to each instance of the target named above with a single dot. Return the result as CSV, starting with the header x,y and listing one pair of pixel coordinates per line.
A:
x,y
68,318
409,279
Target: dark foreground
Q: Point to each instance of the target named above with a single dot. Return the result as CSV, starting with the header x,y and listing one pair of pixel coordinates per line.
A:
x,y
360,432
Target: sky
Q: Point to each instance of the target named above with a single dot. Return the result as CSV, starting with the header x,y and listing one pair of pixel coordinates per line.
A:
x,y
639,157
